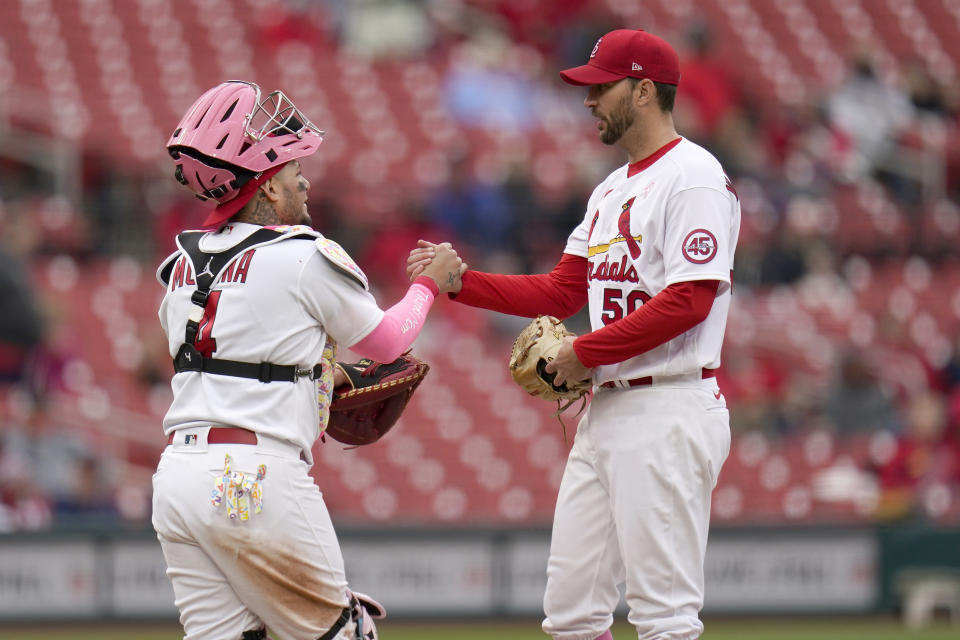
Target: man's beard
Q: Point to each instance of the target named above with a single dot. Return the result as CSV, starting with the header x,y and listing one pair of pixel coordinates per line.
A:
x,y
617,122
294,212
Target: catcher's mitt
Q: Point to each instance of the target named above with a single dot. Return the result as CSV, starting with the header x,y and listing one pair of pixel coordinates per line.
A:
x,y
537,345
365,408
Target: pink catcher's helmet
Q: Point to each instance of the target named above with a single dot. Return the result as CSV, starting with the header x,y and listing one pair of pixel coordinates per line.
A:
x,y
230,141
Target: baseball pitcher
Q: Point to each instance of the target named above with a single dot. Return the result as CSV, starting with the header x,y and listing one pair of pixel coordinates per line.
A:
x,y
652,259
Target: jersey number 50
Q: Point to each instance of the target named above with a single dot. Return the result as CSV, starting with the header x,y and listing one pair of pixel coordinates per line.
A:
x,y
614,307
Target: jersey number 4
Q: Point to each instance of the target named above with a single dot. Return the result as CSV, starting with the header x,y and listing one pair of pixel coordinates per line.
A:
x,y
205,342
614,307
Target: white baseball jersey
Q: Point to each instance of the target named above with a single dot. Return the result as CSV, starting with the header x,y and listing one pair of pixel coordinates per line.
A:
x,y
650,225
278,303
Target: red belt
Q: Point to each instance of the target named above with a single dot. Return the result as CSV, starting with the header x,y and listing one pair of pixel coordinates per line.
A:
x,y
646,381
226,435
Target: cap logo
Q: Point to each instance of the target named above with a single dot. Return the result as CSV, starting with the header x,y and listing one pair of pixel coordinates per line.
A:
x,y
636,67
595,47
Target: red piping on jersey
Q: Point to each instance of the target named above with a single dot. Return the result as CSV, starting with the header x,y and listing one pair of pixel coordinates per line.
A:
x,y
636,167
675,310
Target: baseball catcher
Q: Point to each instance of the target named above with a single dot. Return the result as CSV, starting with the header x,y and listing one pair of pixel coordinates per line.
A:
x,y
254,307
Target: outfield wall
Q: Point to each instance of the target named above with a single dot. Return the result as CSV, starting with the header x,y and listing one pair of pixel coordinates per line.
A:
x,y
485,573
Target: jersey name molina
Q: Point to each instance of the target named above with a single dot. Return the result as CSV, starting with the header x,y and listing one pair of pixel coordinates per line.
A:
x,y
673,219
279,302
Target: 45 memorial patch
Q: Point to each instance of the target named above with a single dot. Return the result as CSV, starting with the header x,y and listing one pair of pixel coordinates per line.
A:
x,y
700,246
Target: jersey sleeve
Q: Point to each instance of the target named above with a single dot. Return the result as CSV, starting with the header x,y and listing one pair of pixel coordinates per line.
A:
x,y
697,236
561,293
338,300
577,240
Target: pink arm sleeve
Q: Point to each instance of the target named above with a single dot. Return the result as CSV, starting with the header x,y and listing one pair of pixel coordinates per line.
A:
x,y
401,323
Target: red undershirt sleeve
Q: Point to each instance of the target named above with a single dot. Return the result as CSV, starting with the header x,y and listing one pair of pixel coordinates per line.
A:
x,y
673,311
560,293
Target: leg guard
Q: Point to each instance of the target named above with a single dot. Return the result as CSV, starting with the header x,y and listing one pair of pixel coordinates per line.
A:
x,y
345,617
365,611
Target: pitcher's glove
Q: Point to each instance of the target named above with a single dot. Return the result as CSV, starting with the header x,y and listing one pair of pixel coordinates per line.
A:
x,y
375,395
537,345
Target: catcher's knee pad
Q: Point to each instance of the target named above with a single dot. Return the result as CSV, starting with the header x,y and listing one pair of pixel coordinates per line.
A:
x,y
365,611
356,622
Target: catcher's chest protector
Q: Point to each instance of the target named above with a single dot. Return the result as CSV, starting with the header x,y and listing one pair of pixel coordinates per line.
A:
x,y
207,267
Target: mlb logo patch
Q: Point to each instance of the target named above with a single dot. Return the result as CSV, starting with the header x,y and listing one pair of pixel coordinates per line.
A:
x,y
190,438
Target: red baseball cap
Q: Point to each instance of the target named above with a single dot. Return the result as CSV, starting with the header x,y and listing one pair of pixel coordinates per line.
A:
x,y
226,210
623,53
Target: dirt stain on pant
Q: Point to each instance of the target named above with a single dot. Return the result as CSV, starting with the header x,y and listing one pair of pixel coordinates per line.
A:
x,y
292,590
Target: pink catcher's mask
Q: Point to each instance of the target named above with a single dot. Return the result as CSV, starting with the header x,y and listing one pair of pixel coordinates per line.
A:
x,y
230,137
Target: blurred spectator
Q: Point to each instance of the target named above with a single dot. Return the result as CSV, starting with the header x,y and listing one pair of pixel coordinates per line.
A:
x,y
56,461
388,243
113,200
388,29
22,325
543,220
477,212
782,261
757,385
872,113
578,31
822,287
925,458
21,322
284,21
950,372
805,146
537,23
925,93
23,506
708,84
90,500
488,85
799,247
856,401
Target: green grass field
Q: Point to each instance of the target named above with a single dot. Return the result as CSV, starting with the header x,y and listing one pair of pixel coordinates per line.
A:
x,y
723,629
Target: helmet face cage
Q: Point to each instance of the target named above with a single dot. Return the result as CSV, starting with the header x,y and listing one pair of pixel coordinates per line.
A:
x,y
277,114
230,133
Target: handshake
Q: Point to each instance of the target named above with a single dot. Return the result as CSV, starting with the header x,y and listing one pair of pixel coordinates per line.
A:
x,y
439,262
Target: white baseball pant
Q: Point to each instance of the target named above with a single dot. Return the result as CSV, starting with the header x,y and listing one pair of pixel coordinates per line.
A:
x,y
282,567
634,507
